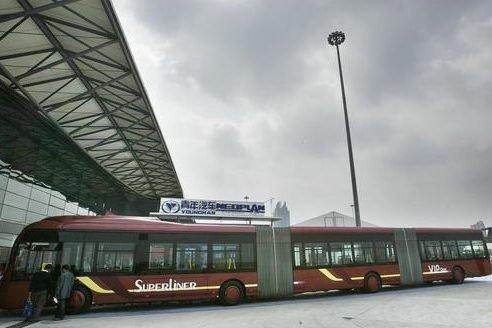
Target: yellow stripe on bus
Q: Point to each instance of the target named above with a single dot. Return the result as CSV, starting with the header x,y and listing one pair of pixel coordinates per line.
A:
x,y
89,283
382,276
390,275
329,275
436,272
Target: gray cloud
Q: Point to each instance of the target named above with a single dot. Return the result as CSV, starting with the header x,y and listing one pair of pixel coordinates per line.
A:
x,y
248,96
225,143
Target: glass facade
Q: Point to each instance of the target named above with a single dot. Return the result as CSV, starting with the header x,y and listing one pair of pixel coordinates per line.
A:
x,y
24,203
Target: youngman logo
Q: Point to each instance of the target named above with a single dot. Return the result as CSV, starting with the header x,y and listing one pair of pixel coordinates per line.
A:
x,y
171,206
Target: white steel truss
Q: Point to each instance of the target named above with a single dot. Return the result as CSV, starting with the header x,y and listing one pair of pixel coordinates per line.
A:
x,y
70,59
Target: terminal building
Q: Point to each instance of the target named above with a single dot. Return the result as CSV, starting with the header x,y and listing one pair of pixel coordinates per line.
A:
x,y
78,134
23,202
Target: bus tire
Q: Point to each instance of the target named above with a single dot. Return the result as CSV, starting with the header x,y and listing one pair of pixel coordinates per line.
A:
x,y
80,300
458,275
372,283
231,293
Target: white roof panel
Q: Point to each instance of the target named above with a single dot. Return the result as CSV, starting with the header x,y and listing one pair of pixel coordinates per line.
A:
x,y
9,7
70,58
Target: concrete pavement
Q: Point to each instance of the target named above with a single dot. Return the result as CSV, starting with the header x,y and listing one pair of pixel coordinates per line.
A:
x,y
439,305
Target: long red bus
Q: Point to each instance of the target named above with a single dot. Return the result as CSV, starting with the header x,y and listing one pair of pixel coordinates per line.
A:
x,y
130,259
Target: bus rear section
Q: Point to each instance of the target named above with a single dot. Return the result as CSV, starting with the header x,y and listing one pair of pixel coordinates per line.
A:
x,y
366,258
452,255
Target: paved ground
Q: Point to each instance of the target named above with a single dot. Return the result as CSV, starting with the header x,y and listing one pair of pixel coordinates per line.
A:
x,y
439,305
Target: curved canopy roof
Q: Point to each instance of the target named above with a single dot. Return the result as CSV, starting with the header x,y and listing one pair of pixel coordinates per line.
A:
x,y
71,61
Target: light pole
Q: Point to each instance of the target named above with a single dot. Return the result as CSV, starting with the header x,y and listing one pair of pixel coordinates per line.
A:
x,y
352,208
335,39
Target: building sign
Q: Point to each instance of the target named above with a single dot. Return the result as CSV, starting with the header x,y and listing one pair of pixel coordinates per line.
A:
x,y
218,208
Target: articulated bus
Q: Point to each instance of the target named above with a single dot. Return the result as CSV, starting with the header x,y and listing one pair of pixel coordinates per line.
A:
x,y
130,259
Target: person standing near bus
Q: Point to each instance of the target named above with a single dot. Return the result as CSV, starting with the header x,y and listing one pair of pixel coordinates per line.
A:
x,y
2,268
55,274
63,290
39,289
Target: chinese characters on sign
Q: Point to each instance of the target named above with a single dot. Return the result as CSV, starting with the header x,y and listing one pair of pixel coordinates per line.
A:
x,y
197,207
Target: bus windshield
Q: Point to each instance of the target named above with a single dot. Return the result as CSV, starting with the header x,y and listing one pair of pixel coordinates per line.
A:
x,y
33,256
103,253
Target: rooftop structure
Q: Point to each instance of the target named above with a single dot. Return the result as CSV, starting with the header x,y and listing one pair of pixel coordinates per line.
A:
x,y
74,113
332,219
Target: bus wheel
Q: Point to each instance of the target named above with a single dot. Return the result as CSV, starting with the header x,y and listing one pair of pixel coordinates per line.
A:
x,y
458,275
80,300
231,293
372,283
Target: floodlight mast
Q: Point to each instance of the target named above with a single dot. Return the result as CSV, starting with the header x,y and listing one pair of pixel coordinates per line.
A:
x,y
335,39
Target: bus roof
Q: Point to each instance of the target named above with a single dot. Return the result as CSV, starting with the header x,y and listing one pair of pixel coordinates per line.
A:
x,y
151,224
130,223
380,230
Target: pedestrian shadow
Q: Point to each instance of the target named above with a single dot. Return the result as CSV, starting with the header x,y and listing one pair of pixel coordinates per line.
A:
x,y
21,324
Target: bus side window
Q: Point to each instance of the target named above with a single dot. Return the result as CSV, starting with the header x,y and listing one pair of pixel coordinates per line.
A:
x,y
336,253
191,257
450,249
115,257
363,252
72,255
478,248
341,253
248,256
433,250
297,250
465,249
87,258
224,257
232,254
160,256
316,254
384,251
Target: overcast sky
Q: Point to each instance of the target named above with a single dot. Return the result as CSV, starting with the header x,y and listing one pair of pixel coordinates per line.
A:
x,y
248,98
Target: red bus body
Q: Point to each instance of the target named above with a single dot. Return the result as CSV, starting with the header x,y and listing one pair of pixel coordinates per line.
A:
x,y
107,289
348,277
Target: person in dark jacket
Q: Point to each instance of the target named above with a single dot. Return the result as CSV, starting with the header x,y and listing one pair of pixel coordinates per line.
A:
x,y
63,290
39,289
55,274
